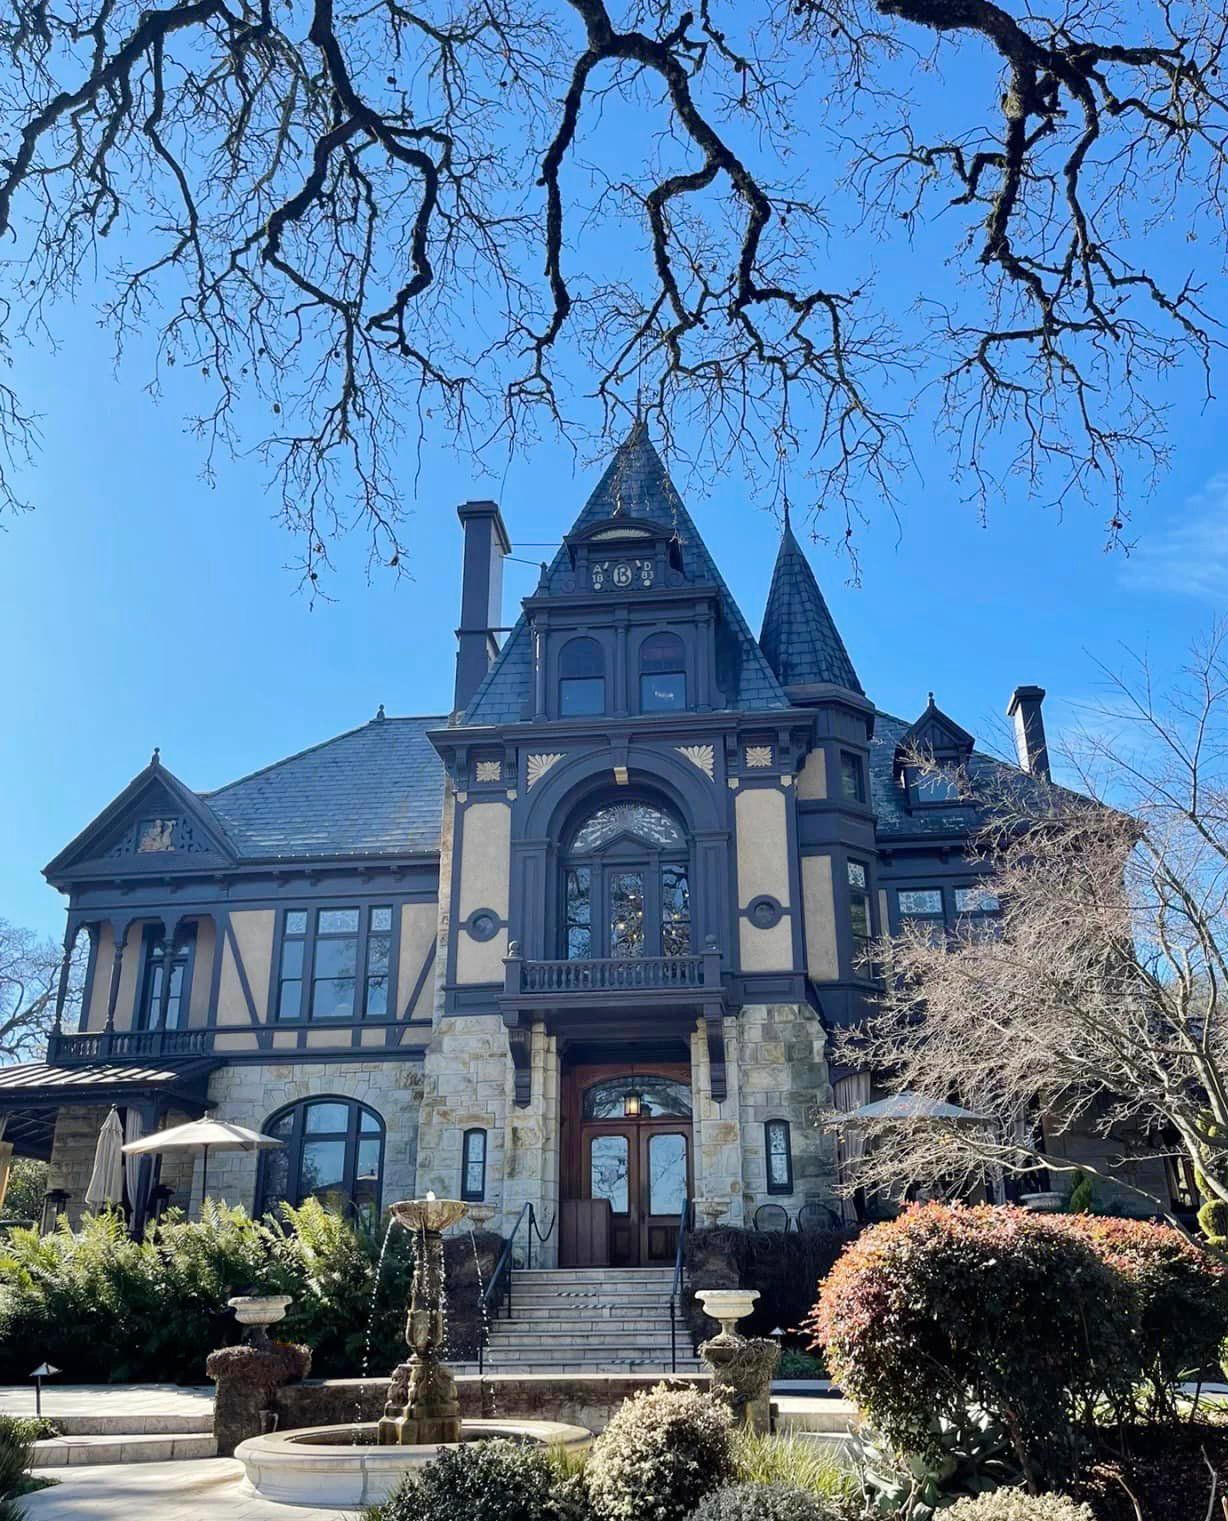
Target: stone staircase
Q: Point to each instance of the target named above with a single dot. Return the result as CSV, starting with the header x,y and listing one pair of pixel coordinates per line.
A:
x,y
588,1320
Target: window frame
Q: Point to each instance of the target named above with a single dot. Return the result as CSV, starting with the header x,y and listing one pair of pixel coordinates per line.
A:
x,y
362,963
954,765
778,1189
151,936
861,943
293,1151
469,1195
617,858
681,669
561,678
850,758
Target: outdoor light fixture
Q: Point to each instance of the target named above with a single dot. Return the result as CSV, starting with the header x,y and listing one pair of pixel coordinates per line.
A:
x,y
633,1106
44,1370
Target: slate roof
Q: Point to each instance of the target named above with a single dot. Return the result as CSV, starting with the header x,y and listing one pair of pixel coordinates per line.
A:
x,y
799,637
636,484
377,790
887,795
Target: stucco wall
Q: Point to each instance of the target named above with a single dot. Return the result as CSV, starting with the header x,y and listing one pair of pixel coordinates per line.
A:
x,y
485,868
822,942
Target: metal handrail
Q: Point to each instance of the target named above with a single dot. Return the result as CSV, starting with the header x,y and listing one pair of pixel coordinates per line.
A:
x,y
499,1289
676,1292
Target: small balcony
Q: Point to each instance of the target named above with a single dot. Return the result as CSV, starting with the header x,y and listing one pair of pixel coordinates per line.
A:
x,y
127,1046
671,980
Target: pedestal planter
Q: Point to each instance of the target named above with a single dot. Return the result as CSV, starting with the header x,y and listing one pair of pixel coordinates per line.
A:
x,y
741,1367
245,1378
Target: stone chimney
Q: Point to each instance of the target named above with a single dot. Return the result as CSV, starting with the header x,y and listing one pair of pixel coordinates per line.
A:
x,y
1024,709
481,613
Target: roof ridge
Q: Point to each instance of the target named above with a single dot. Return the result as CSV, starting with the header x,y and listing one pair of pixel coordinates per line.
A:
x,y
251,776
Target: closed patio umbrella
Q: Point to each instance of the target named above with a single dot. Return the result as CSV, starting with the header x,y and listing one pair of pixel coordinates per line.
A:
x,y
106,1185
203,1135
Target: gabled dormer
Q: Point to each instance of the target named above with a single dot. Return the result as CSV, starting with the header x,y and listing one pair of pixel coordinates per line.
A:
x,y
156,826
931,759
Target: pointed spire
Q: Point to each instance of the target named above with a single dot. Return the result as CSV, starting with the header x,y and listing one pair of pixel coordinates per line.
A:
x,y
800,638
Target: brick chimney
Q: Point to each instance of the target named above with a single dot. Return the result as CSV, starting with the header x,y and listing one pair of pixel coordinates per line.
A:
x,y
1024,709
481,613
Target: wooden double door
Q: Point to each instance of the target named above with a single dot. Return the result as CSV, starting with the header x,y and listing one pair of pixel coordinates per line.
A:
x,y
627,1166
642,1170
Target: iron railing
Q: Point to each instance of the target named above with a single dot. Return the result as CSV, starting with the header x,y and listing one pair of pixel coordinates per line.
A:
x,y
612,974
498,1293
128,1045
675,1298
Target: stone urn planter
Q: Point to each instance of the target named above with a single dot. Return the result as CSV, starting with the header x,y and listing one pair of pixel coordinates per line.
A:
x,y
482,1215
257,1312
711,1211
741,1366
1046,1203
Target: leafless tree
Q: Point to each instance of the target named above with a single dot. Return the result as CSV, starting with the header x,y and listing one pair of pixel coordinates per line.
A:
x,y
29,983
468,215
1102,994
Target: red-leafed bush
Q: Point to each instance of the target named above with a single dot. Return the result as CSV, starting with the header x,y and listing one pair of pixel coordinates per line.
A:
x,y
1179,1294
950,1307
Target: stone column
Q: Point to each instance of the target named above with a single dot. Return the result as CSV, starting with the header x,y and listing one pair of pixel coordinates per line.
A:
x,y
717,1131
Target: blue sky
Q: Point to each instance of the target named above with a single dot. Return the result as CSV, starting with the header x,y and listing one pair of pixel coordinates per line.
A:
x,y
144,607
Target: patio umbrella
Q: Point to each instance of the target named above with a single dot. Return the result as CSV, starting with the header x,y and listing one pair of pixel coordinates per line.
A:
x,y
909,1106
203,1135
106,1185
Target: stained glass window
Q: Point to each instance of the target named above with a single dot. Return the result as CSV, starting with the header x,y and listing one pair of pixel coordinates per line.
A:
x,y
921,901
976,900
675,911
859,904
473,1166
626,906
640,820
779,1157
658,1097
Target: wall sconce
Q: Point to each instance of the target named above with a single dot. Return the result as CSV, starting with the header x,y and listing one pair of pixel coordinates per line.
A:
x,y
633,1106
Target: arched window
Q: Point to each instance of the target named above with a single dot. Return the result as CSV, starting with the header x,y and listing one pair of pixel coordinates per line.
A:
x,y
581,678
662,674
333,1151
626,889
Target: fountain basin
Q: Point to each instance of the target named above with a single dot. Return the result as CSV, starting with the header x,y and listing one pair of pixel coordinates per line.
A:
x,y
324,1465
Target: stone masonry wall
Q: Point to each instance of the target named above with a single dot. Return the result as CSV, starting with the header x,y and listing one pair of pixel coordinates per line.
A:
x,y
466,1081
248,1094
784,1076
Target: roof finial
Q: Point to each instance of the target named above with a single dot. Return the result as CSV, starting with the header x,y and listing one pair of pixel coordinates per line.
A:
x,y
156,758
931,699
379,714
788,526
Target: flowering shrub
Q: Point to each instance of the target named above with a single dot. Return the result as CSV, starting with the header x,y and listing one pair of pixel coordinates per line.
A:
x,y
1014,1505
1179,1293
950,1307
661,1454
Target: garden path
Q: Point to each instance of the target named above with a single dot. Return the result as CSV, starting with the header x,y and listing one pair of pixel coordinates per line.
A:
x,y
204,1489
119,1401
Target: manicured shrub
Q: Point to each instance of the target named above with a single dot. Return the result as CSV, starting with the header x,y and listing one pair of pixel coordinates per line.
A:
x,y
1014,1505
1179,1293
661,1454
762,1502
950,1308
480,1481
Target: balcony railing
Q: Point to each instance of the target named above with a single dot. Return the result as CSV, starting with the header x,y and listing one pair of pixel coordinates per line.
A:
x,y
621,974
128,1045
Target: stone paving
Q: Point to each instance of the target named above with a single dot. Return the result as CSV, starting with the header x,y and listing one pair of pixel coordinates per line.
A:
x,y
114,1402
206,1489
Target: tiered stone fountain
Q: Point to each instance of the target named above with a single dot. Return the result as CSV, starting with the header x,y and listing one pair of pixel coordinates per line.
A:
x,y
359,1465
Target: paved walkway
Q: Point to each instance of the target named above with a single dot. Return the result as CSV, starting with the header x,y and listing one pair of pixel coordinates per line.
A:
x,y
108,1400
206,1489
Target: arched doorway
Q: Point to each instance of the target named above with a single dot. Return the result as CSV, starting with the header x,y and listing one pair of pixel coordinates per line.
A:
x,y
627,1172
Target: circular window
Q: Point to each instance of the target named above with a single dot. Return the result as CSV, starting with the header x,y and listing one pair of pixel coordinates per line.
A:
x,y
483,924
764,912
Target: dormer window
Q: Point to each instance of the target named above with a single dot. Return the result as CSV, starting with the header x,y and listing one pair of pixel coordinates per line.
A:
x,y
662,674
936,787
581,678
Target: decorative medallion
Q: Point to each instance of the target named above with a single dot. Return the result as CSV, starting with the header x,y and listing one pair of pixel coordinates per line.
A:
x,y
155,834
758,756
483,924
764,912
703,756
488,771
537,765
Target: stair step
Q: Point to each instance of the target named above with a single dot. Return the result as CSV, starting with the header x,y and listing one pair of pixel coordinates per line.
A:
x,y
122,1447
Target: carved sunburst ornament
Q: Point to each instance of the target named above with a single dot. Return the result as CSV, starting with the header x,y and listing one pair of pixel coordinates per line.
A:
x,y
537,765
703,756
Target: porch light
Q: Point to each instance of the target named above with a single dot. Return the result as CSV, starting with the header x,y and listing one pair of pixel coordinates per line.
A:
x,y
633,1106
